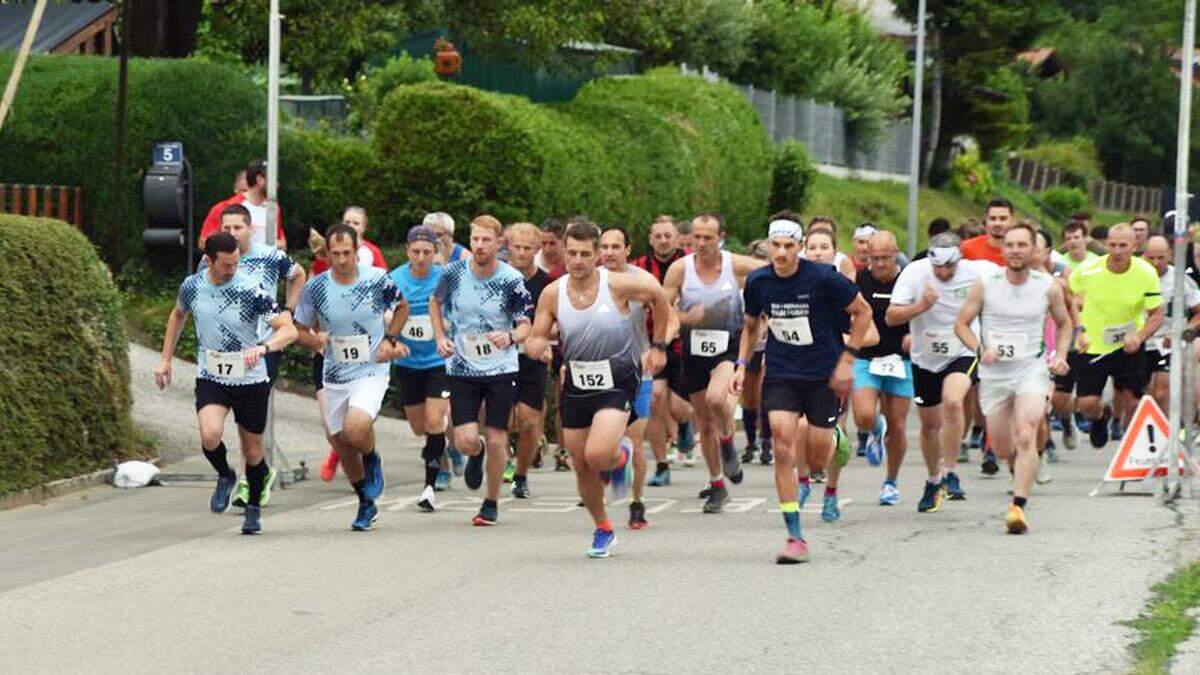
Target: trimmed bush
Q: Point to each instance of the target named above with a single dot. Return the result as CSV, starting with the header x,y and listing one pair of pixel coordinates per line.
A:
x,y
793,177
1065,199
970,177
64,382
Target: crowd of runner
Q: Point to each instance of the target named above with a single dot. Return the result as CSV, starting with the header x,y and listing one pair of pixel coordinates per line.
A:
x,y
997,336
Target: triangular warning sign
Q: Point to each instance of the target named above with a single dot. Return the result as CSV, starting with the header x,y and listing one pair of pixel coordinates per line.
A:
x,y
1142,445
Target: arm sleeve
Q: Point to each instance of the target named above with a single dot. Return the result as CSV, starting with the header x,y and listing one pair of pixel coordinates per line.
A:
x,y
519,301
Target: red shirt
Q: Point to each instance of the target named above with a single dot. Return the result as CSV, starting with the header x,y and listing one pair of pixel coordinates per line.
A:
x,y
979,248
212,222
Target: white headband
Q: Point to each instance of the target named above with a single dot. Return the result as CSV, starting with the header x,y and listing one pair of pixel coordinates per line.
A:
x,y
945,256
785,228
864,231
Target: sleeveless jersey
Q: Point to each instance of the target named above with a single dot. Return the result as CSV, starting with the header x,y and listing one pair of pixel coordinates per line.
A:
x,y
1013,321
723,309
597,342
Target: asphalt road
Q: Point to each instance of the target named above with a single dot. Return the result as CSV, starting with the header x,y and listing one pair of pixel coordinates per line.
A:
x,y
107,580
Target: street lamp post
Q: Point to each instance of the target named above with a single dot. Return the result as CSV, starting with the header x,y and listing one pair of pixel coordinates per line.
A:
x,y
914,159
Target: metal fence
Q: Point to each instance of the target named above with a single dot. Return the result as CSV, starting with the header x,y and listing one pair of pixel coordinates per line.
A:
x,y
823,129
1107,195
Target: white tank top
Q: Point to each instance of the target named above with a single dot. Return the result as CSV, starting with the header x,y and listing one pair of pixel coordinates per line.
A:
x,y
593,337
722,302
1013,321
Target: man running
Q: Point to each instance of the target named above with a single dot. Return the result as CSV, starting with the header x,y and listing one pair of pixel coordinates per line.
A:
x,y
229,309
443,226
424,389
809,366
1158,345
532,374
342,314
990,244
883,372
549,257
1075,241
707,286
254,198
592,309
928,295
485,305
368,253
1010,307
1120,302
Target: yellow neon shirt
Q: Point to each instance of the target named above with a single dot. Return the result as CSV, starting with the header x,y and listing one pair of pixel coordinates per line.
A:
x,y
1112,303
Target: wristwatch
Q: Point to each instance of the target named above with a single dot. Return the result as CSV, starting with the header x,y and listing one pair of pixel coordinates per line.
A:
x,y
660,346
390,338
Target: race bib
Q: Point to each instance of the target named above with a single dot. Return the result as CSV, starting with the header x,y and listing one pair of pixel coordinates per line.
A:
x,y
888,366
480,347
793,331
351,348
591,375
709,342
943,342
1009,346
418,328
231,365
1115,335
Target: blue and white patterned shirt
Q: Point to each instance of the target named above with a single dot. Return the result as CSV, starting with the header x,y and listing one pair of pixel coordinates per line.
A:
x,y
474,307
353,315
227,319
268,265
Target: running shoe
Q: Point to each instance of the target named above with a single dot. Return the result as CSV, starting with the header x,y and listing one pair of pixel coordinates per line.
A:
x,y
931,500
1056,423
863,439
219,502
602,541
730,465
1014,520
704,493
1069,440
976,437
876,450
830,512
1051,451
817,476
804,489
1043,472
473,474
637,516
241,494
889,495
964,453
520,488
660,478
426,502
373,470
952,487
252,520
717,499
767,456
749,453
443,481
560,461
688,457
1098,434
487,516
330,465
989,467
456,460
367,515
265,497
795,551
1115,431
841,446
509,470
1082,423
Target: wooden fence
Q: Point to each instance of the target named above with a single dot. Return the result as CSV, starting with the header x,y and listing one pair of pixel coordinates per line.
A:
x,y
1107,195
50,201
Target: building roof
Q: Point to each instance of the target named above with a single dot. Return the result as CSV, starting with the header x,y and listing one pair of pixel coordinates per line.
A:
x,y
60,22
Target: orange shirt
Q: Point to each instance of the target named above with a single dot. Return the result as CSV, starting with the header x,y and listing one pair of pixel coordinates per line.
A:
x,y
978,248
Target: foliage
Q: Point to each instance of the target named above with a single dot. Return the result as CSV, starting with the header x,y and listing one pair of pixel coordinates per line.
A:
x,y
793,177
1065,199
323,41
366,93
1077,154
1167,620
970,177
64,390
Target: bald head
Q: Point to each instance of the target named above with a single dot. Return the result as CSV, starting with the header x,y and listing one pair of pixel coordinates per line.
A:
x,y
883,242
1120,247
1121,231
882,252
1158,253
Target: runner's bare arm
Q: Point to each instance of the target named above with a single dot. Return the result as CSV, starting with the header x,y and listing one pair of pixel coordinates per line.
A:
x,y
848,269
859,311
743,265
1063,328
537,345
970,310
751,329
295,286
445,346
285,332
1154,321
175,323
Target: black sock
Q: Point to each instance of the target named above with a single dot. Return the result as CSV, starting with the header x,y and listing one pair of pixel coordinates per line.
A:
x,y
764,425
256,476
750,422
360,489
976,430
216,457
660,467
1019,501
435,445
489,503
518,478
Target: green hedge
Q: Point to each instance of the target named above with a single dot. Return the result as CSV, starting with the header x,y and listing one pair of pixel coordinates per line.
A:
x,y
64,378
62,130
624,150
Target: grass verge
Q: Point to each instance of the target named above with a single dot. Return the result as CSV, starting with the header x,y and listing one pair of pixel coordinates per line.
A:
x,y
1165,622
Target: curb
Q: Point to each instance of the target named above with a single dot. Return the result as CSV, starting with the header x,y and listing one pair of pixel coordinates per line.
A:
x,y
58,488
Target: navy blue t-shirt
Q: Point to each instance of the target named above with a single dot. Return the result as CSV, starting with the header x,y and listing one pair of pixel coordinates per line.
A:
x,y
806,307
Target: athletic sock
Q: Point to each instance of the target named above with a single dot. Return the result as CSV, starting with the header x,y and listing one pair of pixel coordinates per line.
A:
x,y
518,478
685,432
830,491
360,489
489,502
1020,501
606,525
764,425
256,476
660,467
431,474
791,518
727,439
750,423
862,437
216,457
718,482
803,481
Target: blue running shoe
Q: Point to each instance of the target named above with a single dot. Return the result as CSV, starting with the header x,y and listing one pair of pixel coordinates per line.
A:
x,y
830,512
889,495
373,468
252,520
1082,423
1115,431
863,437
221,494
660,479
976,439
876,450
805,491
952,487
622,474
602,541
456,461
931,500
367,515
443,481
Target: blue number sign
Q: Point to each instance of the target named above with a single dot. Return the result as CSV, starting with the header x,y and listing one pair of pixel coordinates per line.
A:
x,y
170,154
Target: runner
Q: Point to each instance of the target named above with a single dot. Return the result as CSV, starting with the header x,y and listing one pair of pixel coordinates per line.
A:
x,y
596,324
1120,304
1009,308
421,375
549,257
448,250
532,375
707,285
254,198
1141,233
670,413
928,295
1075,241
810,367
368,253
1043,260
229,308
862,245
614,254
990,244
754,418
342,314
485,305
840,260
883,372
1158,346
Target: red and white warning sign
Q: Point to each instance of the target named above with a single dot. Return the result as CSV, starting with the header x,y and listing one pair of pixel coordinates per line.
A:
x,y
1142,445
